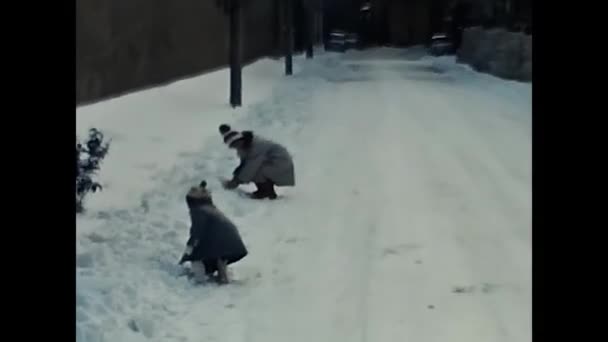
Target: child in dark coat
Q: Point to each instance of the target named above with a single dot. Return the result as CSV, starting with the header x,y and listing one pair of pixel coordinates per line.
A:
x,y
214,240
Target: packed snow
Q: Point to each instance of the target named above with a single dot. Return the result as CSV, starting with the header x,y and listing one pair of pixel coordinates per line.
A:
x,y
410,221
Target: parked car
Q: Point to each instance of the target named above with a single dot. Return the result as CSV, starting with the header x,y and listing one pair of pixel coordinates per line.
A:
x,y
336,41
441,44
352,41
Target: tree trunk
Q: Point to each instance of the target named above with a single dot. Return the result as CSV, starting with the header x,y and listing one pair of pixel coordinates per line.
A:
x,y
288,37
309,32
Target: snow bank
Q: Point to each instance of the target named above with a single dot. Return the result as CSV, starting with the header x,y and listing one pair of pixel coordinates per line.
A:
x,y
163,140
143,127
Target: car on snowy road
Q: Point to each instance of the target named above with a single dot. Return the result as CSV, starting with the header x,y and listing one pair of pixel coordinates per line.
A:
x,y
441,44
352,41
336,41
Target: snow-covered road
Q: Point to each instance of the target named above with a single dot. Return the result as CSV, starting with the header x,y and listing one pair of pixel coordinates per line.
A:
x,y
411,219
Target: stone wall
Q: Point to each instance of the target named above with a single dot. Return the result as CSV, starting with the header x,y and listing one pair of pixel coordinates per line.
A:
x,y
123,45
498,52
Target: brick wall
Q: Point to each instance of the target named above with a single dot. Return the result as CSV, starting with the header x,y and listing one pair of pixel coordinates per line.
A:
x,y
125,45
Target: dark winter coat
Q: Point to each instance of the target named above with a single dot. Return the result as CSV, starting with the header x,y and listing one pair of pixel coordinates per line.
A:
x,y
264,161
213,236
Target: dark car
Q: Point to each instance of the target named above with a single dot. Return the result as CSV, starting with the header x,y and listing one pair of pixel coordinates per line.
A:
x,y
336,41
441,44
352,41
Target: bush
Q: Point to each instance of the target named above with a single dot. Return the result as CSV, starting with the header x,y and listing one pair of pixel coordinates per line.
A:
x,y
88,159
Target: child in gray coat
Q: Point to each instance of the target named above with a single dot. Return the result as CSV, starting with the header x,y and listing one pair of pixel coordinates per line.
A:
x,y
263,162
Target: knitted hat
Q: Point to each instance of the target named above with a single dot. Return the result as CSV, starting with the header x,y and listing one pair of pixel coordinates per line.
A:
x,y
199,195
229,135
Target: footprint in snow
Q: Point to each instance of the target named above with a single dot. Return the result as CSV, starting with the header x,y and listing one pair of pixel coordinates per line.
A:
x,y
96,238
145,206
169,235
489,288
187,154
142,325
147,166
484,288
84,260
463,289
102,215
133,326
157,224
156,139
398,249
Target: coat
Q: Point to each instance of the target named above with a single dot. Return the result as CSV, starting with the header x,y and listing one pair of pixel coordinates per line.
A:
x,y
213,236
266,160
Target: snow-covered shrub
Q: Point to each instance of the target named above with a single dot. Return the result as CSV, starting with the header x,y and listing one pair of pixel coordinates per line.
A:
x,y
88,158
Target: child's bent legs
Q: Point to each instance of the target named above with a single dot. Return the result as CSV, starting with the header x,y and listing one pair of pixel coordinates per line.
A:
x,y
198,271
222,270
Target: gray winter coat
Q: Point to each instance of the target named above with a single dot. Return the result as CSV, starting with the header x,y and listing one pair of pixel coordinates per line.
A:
x,y
213,236
266,160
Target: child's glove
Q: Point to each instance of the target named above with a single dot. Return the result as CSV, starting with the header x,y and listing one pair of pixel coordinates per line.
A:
x,y
186,255
230,184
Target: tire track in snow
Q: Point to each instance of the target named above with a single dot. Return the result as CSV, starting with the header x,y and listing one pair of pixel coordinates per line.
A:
x,y
481,255
314,294
402,289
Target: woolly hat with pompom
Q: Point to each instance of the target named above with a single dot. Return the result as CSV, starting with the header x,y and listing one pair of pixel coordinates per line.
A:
x,y
199,195
229,135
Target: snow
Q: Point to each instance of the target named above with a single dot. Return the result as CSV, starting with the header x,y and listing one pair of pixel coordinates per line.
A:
x,y
143,127
410,221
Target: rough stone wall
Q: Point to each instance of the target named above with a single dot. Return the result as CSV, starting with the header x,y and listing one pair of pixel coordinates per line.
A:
x,y
498,52
125,45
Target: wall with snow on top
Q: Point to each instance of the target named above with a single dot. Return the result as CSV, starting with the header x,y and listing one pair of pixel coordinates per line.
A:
x,y
498,52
